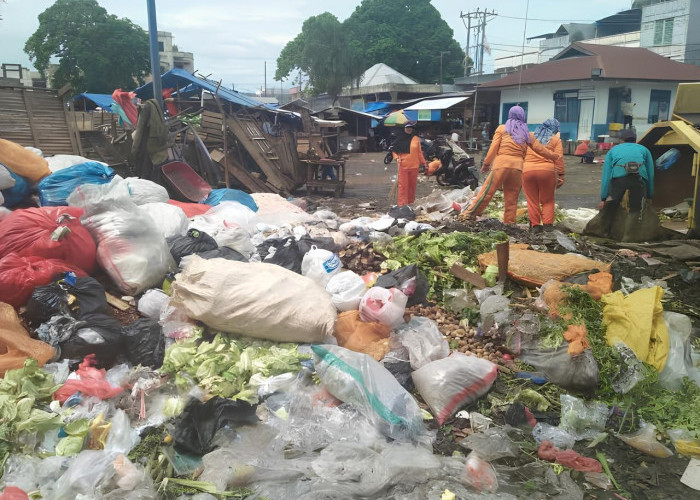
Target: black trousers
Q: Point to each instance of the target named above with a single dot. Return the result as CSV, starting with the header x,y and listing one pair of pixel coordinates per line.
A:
x,y
627,120
635,184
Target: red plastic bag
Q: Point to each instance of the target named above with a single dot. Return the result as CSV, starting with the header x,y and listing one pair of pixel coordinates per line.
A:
x,y
28,232
90,381
191,209
14,493
20,275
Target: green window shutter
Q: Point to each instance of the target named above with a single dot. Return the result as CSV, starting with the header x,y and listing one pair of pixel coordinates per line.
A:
x,y
668,31
658,32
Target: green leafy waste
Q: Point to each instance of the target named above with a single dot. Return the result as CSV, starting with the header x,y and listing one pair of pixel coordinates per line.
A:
x,y
224,366
435,253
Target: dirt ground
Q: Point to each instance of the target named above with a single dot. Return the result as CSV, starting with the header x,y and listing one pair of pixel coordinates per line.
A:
x,y
370,180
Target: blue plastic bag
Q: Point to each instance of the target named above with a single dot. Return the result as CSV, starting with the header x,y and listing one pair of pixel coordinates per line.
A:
x,y
57,187
15,195
218,195
666,160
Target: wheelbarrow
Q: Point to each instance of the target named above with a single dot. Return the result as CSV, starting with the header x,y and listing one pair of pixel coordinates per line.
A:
x,y
185,182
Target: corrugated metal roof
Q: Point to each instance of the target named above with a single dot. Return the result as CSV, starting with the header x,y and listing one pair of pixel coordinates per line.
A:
x,y
622,63
187,83
443,103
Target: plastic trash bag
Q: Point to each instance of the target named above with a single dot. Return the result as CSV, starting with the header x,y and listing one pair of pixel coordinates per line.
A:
x,y
237,297
358,379
142,191
402,212
218,195
645,441
122,438
16,345
410,280
570,372
198,423
236,238
51,233
668,159
222,253
491,444
55,189
480,474
561,438
347,289
169,219
283,252
194,241
144,343
361,336
423,340
384,306
582,420
152,303
60,162
679,363
448,384
13,196
19,276
7,181
320,265
77,297
225,214
89,381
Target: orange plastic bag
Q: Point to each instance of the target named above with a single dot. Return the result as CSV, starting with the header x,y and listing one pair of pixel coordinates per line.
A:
x,y
15,343
22,161
599,284
360,336
433,167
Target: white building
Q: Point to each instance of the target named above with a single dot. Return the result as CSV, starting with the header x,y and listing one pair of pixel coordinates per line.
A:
x,y
584,85
170,56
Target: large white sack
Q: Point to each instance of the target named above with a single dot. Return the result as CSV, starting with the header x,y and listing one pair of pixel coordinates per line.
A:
x,y
169,219
259,300
143,191
226,214
59,162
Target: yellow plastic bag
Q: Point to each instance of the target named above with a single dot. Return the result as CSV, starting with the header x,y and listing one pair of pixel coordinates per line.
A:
x,y
637,320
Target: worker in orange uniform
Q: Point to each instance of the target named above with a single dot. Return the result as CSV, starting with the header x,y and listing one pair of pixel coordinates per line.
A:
x,y
504,160
409,156
541,177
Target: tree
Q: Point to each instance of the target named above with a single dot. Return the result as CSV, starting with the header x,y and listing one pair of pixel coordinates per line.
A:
x,y
323,53
96,51
407,35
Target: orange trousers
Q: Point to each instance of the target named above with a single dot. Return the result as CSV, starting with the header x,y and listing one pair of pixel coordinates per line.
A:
x,y
539,186
408,180
506,178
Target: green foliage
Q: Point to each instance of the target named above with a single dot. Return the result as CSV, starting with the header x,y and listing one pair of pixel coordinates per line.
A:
x,y
435,253
96,51
322,51
408,35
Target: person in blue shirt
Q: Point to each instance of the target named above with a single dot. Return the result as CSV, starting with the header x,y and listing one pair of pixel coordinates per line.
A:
x,y
628,167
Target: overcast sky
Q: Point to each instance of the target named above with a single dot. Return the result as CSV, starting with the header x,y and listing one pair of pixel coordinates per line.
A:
x,y
232,39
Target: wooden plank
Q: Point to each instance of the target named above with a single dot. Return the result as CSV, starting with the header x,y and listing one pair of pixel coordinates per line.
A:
x,y
27,105
116,302
468,276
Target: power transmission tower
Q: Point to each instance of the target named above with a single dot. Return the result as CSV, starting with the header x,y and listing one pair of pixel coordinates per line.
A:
x,y
476,23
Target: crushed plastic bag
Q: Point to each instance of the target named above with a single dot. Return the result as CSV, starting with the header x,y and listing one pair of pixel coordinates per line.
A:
x,y
283,252
410,280
645,441
320,265
346,289
235,238
423,340
561,438
225,214
16,194
491,444
16,345
218,195
360,380
153,302
142,191
384,306
144,343
679,363
169,219
568,458
237,297
450,383
685,442
571,372
57,187
193,242
480,474
582,420
361,336
89,381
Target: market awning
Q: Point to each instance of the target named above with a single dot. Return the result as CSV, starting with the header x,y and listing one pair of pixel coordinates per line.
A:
x,y
103,101
443,103
328,123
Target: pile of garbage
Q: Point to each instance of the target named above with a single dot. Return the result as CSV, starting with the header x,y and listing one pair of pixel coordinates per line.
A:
x,y
152,349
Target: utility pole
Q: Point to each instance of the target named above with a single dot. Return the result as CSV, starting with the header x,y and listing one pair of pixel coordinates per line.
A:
x,y
265,94
480,17
155,56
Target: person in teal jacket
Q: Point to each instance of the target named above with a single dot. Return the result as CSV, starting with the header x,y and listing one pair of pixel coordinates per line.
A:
x,y
628,167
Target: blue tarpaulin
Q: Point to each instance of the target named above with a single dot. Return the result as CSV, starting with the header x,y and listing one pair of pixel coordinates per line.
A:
x,y
188,84
103,101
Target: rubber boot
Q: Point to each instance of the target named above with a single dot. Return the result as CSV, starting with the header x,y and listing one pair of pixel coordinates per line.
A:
x,y
548,227
534,230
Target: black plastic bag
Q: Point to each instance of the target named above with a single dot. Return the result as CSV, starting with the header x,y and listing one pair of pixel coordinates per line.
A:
x,y
410,280
306,242
144,343
402,212
223,253
86,296
198,423
195,241
401,370
100,336
286,253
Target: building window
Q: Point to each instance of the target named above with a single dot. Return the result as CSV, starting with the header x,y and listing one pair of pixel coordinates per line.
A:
x,y
161,47
663,31
566,106
508,105
659,104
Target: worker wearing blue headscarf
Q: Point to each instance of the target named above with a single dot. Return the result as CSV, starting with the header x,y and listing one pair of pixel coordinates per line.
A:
x,y
542,175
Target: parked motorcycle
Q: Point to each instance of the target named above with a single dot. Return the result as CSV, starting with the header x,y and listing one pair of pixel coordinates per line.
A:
x,y
427,146
460,173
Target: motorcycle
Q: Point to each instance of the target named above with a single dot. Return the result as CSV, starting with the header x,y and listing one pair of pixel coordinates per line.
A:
x,y
460,173
427,146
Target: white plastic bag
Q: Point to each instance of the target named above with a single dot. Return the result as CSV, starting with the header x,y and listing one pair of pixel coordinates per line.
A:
x,y
679,363
450,383
320,265
358,379
6,180
225,214
122,438
169,219
59,162
236,238
385,306
347,289
143,191
424,341
152,303
255,299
